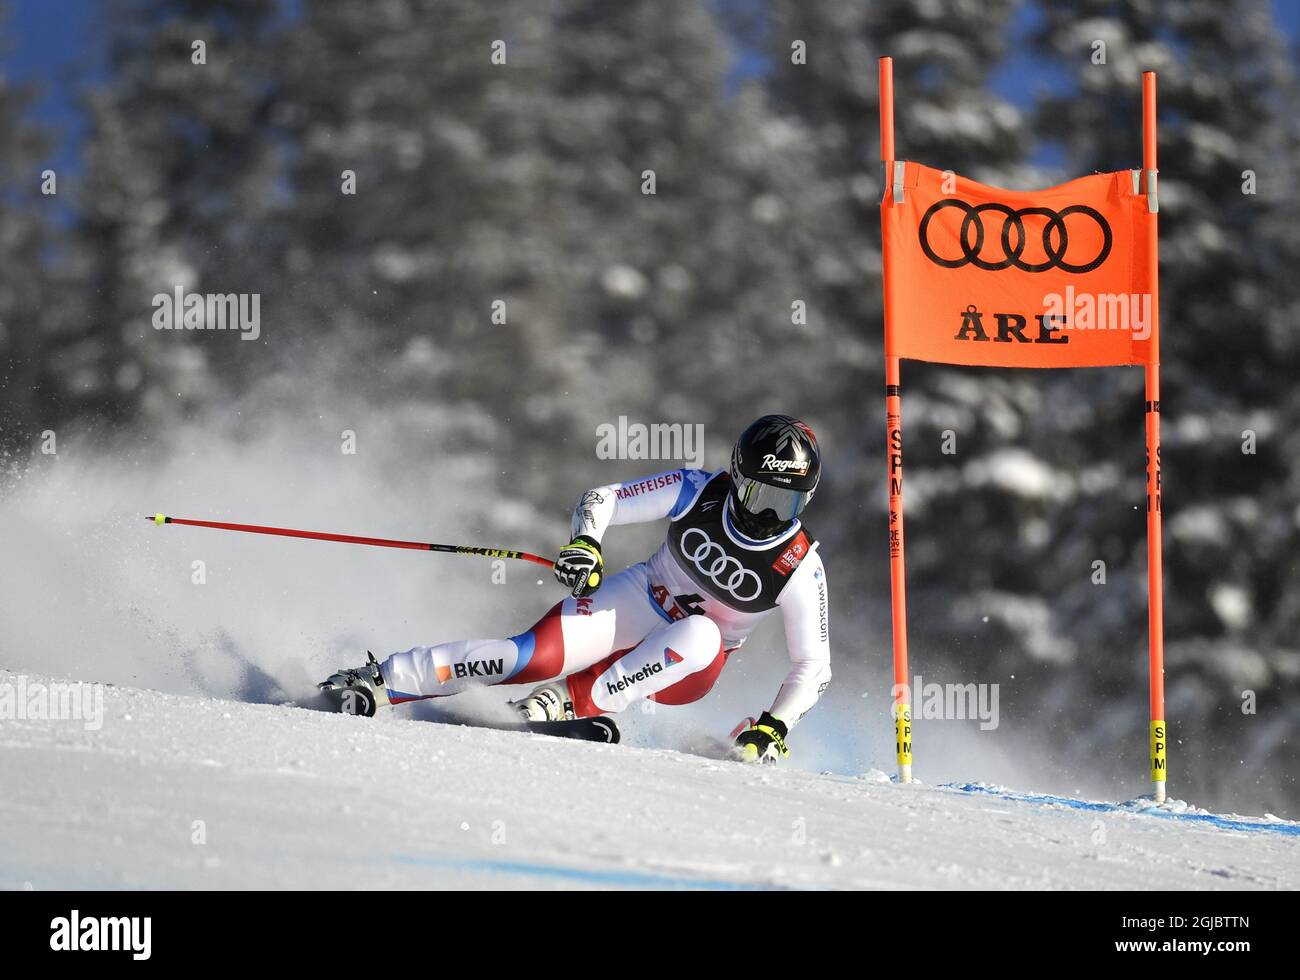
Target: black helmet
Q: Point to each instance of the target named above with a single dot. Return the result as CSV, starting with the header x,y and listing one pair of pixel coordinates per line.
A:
x,y
774,470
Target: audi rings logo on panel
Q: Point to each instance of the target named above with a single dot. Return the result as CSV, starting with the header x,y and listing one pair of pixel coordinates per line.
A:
x,y
720,568
1056,238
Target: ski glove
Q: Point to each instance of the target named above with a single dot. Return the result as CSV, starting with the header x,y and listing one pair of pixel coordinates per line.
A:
x,y
579,567
763,741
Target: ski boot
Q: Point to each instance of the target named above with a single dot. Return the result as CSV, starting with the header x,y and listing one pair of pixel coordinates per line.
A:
x,y
550,702
359,690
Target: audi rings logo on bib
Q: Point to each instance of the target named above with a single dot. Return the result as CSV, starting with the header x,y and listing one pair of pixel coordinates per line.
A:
x,y
712,561
979,226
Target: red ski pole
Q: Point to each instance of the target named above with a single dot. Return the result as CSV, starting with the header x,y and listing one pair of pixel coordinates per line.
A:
x,y
456,549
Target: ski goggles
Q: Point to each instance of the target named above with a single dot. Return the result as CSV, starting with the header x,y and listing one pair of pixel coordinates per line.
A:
x,y
758,497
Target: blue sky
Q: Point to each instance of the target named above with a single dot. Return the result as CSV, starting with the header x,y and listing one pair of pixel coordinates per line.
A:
x,y
55,44
59,44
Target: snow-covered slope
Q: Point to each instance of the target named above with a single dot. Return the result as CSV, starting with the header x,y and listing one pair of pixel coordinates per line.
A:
x,y
191,792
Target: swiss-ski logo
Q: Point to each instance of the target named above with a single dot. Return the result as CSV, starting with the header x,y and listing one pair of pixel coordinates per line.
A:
x,y
794,553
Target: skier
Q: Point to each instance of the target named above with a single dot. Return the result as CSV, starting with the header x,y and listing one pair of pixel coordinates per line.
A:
x,y
663,628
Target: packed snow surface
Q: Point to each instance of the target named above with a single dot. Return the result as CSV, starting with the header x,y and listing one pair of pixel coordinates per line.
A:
x,y
173,791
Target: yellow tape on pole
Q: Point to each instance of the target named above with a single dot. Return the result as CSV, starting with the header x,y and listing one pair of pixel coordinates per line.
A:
x,y
1159,764
903,733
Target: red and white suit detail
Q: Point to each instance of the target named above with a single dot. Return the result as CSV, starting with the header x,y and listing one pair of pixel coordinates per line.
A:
x,y
660,629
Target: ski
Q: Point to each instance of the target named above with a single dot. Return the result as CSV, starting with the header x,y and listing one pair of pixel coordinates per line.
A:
x,y
360,701
598,729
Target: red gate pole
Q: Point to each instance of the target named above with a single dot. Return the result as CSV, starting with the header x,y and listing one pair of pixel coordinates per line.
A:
x,y
1155,575
894,447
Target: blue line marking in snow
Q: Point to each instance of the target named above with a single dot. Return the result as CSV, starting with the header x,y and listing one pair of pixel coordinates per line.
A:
x,y
1285,827
589,876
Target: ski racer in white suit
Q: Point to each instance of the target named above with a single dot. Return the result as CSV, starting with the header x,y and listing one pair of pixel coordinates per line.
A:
x,y
663,628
